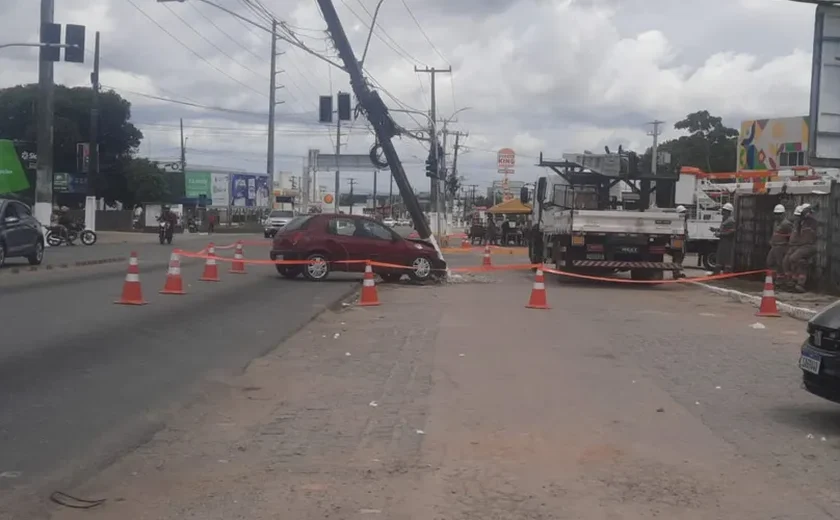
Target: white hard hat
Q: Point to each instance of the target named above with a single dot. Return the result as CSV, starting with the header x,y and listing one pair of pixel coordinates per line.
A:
x,y
728,207
804,207
680,209
797,211
778,209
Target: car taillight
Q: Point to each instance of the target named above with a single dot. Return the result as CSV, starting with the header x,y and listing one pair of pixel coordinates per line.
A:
x,y
578,240
657,250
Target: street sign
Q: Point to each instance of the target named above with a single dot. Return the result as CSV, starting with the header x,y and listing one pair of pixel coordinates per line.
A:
x,y
506,161
824,120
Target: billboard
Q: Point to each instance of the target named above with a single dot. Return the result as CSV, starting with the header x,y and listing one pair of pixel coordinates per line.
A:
x,y
824,121
17,170
771,144
219,189
249,190
506,161
196,184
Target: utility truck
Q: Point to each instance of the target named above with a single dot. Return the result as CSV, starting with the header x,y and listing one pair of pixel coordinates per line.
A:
x,y
584,222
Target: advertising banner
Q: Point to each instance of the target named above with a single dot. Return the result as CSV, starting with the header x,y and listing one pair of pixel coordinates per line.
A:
x,y
244,190
196,184
69,183
506,159
17,170
220,189
263,192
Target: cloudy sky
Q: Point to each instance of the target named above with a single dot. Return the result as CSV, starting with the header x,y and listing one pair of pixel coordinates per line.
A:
x,y
534,75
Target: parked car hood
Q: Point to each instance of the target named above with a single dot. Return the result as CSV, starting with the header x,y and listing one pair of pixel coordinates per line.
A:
x,y
829,317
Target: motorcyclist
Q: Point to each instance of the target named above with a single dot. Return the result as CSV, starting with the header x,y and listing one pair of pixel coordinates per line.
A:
x,y
63,222
800,260
793,244
167,215
782,229
726,240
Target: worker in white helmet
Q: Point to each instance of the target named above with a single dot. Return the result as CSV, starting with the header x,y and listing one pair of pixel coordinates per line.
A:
x,y
801,257
678,255
782,228
726,240
793,244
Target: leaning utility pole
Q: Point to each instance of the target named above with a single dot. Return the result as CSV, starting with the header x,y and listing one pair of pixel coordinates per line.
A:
x,y
46,121
377,114
654,161
272,102
435,183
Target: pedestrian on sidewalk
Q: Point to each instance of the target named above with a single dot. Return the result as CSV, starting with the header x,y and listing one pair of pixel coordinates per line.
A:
x,y
800,260
678,255
211,222
782,230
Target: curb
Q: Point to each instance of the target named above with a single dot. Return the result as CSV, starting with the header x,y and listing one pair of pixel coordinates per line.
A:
x,y
53,267
799,313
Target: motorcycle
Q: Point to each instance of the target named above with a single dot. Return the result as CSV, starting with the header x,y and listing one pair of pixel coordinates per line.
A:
x,y
55,235
165,232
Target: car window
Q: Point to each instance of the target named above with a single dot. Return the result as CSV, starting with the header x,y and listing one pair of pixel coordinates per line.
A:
x,y
376,230
22,209
10,211
297,223
344,227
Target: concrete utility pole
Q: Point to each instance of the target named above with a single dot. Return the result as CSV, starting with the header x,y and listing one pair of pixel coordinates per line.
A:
x,y
46,120
654,160
183,149
375,173
435,183
377,113
93,156
454,171
352,182
272,102
337,160
391,197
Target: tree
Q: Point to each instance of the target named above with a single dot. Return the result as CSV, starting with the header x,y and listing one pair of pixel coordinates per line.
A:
x,y
135,181
710,145
118,137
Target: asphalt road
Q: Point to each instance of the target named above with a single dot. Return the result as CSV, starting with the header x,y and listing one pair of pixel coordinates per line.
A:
x,y
83,380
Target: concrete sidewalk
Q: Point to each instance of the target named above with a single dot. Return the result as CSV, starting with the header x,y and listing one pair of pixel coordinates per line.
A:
x,y
453,403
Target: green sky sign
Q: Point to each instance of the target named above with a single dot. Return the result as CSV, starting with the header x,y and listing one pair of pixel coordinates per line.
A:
x,y
196,184
12,175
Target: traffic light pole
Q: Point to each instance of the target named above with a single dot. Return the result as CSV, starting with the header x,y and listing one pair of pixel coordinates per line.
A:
x,y
46,121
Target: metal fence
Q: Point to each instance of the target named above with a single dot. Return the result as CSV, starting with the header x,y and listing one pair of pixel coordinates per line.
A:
x,y
754,218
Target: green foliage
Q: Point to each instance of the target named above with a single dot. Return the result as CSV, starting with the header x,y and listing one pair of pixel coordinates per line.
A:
x,y
709,145
118,137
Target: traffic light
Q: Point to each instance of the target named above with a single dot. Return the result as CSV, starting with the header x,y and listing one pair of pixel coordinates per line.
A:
x,y
431,167
325,109
74,37
50,40
344,106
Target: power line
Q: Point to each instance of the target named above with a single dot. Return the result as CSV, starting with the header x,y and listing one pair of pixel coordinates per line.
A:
x,y
397,45
196,31
199,56
231,38
416,22
186,103
402,55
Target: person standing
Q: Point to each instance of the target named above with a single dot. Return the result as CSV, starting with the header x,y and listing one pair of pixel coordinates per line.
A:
x,y
782,228
678,255
491,230
800,260
211,222
726,240
793,244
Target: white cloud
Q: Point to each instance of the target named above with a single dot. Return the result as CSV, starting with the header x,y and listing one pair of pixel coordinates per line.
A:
x,y
540,75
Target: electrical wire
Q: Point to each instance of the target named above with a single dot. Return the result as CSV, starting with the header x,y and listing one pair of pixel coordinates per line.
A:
x,y
405,56
222,51
187,103
426,36
199,56
231,38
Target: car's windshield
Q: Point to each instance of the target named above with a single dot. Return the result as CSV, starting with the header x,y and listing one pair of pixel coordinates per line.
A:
x,y
297,223
281,214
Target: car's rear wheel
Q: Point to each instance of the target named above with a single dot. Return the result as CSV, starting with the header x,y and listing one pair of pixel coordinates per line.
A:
x,y
290,272
421,269
2,254
318,267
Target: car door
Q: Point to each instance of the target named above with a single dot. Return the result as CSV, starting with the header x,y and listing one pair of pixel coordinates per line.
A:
x,y
380,242
30,228
340,243
12,230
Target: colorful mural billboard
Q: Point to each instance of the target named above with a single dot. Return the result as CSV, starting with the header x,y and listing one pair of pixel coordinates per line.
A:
x,y
772,144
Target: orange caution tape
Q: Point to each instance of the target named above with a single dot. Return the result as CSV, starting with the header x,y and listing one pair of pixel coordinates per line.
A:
x,y
653,282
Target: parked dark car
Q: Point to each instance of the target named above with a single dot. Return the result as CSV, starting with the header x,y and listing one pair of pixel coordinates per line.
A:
x,y
21,235
820,354
326,239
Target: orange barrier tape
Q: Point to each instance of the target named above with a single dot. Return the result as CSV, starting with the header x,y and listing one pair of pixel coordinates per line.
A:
x,y
205,256
481,268
656,282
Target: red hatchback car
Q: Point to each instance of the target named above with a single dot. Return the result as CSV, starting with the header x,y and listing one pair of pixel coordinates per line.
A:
x,y
326,239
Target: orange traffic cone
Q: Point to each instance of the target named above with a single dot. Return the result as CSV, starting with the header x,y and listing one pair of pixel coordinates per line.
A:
x,y
768,306
538,296
211,269
465,243
174,283
238,266
131,293
486,261
369,297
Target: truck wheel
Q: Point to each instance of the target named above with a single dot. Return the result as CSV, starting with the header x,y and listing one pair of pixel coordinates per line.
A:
x,y
710,261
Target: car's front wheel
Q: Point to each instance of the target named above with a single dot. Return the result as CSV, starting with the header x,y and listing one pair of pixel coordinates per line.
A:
x,y
421,269
318,267
37,255
290,272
